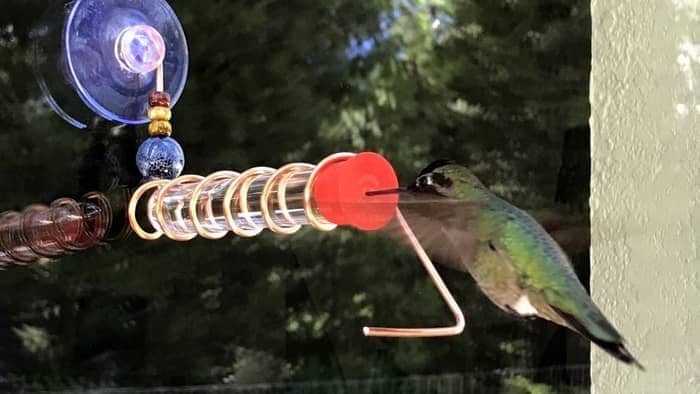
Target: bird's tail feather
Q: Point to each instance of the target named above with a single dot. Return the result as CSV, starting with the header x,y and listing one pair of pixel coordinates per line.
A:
x,y
616,349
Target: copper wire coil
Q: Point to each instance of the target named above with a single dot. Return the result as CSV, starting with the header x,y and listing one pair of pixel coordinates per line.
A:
x,y
195,201
131,211
39,231
103,220
310,211
62,236
31,241
235,195
160,215
279,180
235,205
9,223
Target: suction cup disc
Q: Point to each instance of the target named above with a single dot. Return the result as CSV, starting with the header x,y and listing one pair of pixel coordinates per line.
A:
x,y
110,89
98,57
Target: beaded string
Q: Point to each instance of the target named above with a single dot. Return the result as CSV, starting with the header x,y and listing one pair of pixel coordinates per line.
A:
x,y
159,114
160,156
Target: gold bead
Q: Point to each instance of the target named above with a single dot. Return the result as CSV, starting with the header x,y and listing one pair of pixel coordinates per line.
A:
x,y
159,113
160,128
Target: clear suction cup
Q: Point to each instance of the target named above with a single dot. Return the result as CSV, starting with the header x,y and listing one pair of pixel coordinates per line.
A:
x,y
100,57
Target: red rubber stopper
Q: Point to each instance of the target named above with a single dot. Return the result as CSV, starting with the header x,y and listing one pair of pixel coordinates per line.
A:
x,y
340,192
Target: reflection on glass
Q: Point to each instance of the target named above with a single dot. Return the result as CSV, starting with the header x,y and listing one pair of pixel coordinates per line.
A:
x,y
52,231
501,86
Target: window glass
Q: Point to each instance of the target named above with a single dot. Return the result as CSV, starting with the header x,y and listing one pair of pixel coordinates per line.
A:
x,y
500,86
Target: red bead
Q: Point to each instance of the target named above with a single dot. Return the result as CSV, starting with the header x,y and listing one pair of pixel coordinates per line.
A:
x,y
159,99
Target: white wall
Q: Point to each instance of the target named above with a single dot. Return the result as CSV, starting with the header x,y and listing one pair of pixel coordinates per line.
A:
x,y
645,270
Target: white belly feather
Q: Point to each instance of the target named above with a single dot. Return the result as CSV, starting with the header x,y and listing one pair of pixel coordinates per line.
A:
x,y
524,307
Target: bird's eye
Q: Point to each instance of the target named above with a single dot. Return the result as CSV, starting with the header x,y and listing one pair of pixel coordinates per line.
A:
x,y
441,180
425,180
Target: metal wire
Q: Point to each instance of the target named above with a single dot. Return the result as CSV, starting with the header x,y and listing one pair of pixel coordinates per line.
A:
x,y
195,200
435,277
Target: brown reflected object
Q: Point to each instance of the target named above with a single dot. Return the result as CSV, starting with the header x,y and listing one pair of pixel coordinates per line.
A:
x,y
53,231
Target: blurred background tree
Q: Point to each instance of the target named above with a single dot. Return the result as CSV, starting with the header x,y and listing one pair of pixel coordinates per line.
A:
x,y
500,85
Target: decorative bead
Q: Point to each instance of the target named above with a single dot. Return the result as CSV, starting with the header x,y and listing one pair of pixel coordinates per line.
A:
x,y
159,99
159,113
161,158
160,128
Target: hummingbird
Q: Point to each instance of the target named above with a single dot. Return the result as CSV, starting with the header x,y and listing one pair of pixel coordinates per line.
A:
x,y
463,225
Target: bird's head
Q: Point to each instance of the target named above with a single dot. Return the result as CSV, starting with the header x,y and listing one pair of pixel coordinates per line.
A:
x,y
445,178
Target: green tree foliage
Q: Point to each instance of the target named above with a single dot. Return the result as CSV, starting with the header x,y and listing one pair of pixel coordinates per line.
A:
x,y
492,83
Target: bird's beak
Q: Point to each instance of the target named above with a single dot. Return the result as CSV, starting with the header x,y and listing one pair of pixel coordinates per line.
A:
x,y
384,192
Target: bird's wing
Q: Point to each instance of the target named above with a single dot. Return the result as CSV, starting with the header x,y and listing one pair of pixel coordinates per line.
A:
x,y
446,228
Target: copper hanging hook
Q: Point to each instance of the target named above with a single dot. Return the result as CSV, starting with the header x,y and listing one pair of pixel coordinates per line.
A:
x,y
455,329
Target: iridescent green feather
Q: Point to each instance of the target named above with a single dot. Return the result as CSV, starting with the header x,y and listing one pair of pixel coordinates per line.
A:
x,y
513,259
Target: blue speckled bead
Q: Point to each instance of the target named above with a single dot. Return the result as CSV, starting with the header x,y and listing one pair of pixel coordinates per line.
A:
x,y
161,158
